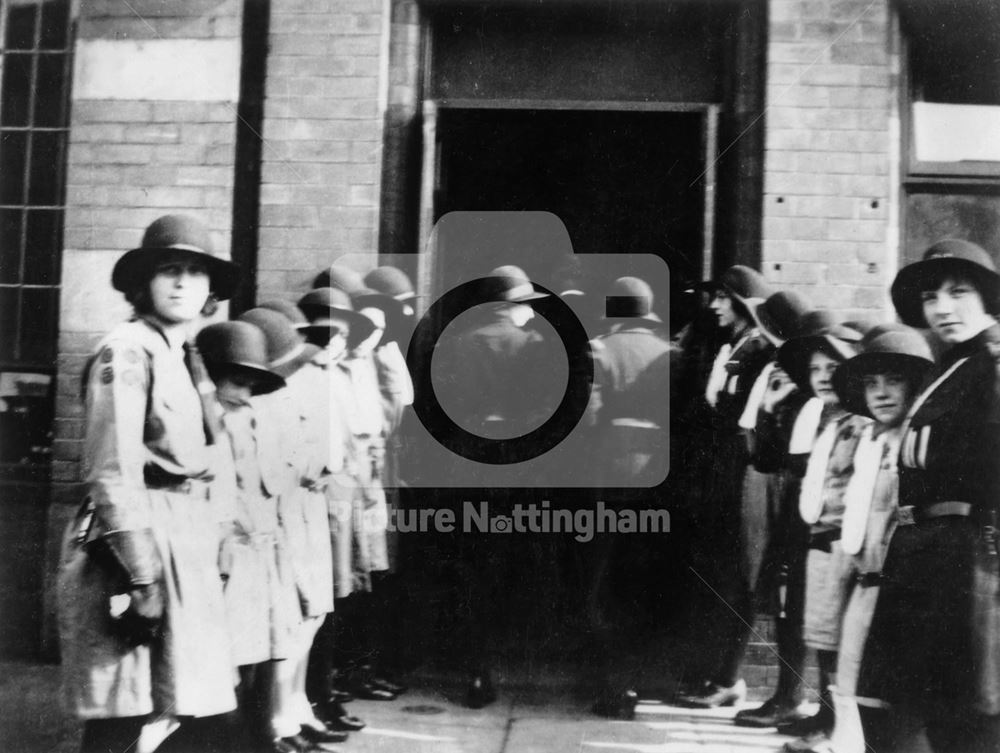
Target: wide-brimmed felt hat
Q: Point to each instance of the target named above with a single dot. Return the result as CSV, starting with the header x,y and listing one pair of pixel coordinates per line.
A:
x,y
630,298
394,283
779,316
287,351
886,349
369,297
819,330
323,305
287,309
510,284
238,347
742,283
170,235
949,257
391,281
340,277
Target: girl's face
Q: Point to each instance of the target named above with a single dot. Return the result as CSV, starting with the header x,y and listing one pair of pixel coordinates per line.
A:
x,y
377,317
179,289
337,345
722,305
887,397
821,368
955,311
234,388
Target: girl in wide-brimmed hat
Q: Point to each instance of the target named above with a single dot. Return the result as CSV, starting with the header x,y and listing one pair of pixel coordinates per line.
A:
x,y
763,540
147,531
721,457
261,596
820,450
933,643
818,447
880,383
298,445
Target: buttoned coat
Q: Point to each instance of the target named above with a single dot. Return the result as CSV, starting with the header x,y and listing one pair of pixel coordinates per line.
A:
x,y
144,420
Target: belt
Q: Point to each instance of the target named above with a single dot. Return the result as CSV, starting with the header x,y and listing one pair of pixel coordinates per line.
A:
x,y
868,580
823,541
635,423
156,477
186,486
910,515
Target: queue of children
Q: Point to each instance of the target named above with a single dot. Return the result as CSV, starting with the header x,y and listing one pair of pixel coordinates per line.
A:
x,y
868,509
234,504
224,578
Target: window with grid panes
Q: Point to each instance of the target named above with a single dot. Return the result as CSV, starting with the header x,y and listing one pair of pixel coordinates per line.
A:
x,y
35,71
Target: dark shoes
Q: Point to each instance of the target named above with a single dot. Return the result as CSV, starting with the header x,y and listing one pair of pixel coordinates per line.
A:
x,y
617,705
807,726
361,682
480,692
389,686
817,742
322,736
335,717
368,690
294,744
771,714
712,695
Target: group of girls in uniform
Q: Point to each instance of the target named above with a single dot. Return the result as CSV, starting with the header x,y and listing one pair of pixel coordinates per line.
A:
x,y
866,496
234,502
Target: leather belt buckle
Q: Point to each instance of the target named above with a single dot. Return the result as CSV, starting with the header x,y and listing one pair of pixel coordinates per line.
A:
x,y
868,580
904,516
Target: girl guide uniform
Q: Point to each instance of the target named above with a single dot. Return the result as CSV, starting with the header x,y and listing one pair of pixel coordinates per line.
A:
x,y
722,461
870,501
933,645
149,526
769,527
258,587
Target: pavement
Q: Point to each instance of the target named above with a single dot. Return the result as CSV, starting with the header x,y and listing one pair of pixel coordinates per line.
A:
x,y
532,718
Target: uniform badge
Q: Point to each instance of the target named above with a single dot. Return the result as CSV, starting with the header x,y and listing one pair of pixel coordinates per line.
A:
x,y
107,355
107,375
131,377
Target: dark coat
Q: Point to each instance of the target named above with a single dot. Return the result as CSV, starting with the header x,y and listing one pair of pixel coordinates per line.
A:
x,y
922,645
631,386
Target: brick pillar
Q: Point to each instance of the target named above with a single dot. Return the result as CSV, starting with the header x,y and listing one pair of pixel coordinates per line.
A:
x,y
831,156
152,131
323,118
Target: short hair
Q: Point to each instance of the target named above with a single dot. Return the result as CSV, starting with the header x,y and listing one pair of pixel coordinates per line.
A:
x,y
142,301
934,280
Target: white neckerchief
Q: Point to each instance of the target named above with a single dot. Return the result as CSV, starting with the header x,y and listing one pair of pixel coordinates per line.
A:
x,y
861,486
805,428
717,379
749,418
811,496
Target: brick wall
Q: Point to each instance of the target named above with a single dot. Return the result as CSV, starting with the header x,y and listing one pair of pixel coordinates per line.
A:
x,y
152,132
322,140
831,176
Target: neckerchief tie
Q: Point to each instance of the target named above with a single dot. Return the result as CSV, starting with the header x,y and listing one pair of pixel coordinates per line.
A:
x,y
210,408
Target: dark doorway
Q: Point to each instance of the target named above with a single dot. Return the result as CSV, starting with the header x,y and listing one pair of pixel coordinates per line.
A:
x,y
621,182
